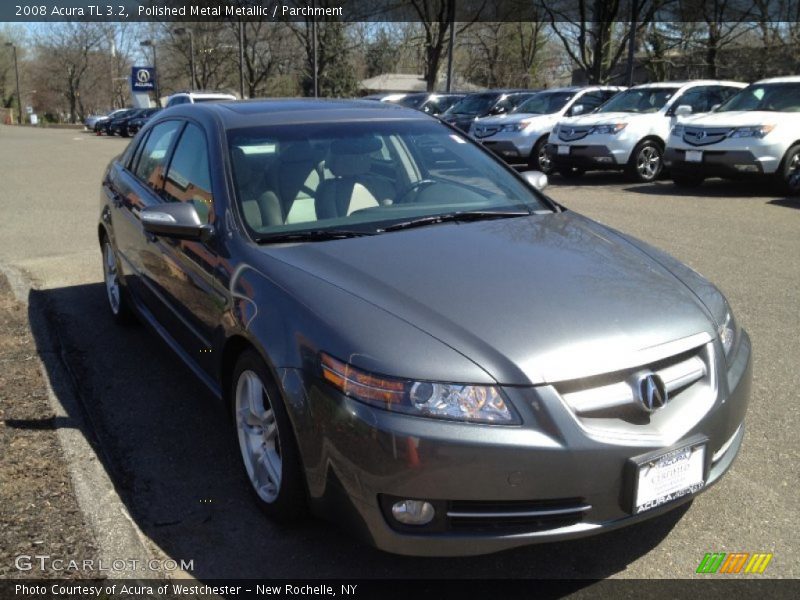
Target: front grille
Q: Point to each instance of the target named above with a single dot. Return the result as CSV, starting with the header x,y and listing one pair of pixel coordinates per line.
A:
x,y
569,133
609,406
486,130
514,516
703,136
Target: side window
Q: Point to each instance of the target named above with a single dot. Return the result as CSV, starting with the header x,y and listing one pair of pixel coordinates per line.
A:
x,y
722,93
150,165
591,101
189,176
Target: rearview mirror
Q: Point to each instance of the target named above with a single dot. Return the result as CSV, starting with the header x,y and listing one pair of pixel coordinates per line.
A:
x,y
177,220
577,110
536,179
715,107
683,110
497,110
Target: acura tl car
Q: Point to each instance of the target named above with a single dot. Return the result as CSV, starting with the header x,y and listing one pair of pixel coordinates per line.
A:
x,y
412,339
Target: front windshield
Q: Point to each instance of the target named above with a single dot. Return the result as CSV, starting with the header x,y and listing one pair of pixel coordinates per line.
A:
x,y
364,176
476,104
544,103
779,97
639,100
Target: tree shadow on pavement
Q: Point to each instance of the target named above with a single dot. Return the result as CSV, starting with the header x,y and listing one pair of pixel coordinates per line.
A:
x,y
169,448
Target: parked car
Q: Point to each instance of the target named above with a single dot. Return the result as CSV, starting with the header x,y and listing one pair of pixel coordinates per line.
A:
x,y
136,123
412,340
629,133
433,104
483,104
756,133
520,136
197,96
105,126
119,124
92,120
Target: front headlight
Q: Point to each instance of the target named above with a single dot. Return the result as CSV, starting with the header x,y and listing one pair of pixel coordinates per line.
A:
x,y
758,131
609,129
677,131
474,403
727,332
514,126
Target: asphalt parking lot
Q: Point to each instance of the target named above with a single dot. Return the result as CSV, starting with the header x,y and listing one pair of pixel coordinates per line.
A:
x,y
170,451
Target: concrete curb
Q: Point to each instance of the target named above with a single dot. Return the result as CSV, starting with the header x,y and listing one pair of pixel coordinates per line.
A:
x,y
116,535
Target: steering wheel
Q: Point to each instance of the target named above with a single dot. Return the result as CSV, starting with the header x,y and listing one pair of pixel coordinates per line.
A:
x,y
417,186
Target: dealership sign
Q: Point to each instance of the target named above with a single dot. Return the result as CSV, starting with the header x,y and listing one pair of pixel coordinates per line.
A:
x,y
143,79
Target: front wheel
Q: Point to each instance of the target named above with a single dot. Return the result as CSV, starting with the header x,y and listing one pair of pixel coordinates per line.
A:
x,y
646,162
117,302
266,441
539,159
789,172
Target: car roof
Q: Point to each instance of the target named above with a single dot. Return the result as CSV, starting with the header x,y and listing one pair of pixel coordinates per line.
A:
x,y
692,83
257,113
789,79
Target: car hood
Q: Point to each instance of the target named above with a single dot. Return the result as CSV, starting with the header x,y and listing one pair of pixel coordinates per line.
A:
x,y
530,299
512,118
605,118
735,118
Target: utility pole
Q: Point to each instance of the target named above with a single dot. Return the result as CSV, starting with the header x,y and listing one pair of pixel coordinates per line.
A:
x,y
631,42
315,68
241,60
451,20
16,74
190,33
157,90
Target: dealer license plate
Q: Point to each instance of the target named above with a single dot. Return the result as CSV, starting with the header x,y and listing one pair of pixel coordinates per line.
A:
x,y
669,476
563,149
694,156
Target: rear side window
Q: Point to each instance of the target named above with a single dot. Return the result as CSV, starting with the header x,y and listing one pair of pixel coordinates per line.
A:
x,y
151,162
189,175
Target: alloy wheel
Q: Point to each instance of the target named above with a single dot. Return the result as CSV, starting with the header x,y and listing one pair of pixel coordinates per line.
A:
x,y
111,278
648,163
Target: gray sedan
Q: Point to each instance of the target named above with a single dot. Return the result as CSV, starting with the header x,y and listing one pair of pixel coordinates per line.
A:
x,y
413,340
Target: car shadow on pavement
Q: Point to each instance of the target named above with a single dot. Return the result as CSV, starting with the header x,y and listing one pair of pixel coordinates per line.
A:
x,y
711,188
169,448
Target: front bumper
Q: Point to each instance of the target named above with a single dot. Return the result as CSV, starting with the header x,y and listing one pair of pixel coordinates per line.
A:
x,y
356,457
513,150
589,157
725,163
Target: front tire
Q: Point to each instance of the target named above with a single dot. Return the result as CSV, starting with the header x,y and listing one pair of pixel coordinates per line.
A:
x,y
539,159
267,445
115,293
646,162
789,172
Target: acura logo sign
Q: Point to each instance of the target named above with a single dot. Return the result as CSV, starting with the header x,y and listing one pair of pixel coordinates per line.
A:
x,y
651,392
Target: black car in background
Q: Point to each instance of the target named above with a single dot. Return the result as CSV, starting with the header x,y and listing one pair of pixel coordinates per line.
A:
x,y
108,126
134,124
483,104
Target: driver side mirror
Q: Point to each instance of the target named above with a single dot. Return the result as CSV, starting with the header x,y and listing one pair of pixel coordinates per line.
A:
x,y
715,107
178,220
536,179
578,109
683,110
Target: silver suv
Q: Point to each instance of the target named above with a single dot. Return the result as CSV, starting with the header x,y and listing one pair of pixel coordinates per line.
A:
x,y
192,97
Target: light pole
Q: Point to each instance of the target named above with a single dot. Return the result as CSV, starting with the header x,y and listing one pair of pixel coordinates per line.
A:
x,y
185,31
152,45
16,73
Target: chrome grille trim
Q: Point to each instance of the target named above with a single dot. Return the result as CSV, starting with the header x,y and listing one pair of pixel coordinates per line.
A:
x,y
517,514
703,136
569,134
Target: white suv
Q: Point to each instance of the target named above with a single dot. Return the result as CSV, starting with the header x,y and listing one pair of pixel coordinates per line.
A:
x,y
519,137
755,133
630,131
192,97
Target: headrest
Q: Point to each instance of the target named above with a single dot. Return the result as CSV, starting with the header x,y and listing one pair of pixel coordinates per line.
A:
x,y
349,165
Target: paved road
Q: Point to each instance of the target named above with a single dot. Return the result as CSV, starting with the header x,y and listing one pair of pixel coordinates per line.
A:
x,y
167,445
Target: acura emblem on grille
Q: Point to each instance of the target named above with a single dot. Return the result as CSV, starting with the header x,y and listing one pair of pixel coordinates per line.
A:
x,y
651,392
701,135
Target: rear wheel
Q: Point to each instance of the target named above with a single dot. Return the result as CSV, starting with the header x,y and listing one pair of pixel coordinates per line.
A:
x,y
646,162
267,446
789,172
539,158
686,179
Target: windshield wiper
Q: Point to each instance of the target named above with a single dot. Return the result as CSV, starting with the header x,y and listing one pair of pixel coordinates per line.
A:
x,y
317,235
462,215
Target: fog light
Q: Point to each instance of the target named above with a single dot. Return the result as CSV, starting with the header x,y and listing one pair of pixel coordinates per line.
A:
x,y
746,168
413,512
603,159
